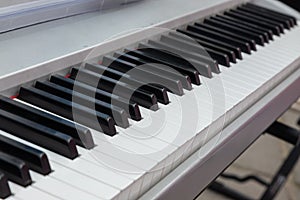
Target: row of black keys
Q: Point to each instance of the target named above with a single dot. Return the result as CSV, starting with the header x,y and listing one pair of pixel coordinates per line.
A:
x,y
38,127
63,96
223,37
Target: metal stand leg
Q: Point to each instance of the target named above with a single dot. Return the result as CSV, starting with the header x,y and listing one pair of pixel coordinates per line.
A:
x,y
226,191
282,132
288,165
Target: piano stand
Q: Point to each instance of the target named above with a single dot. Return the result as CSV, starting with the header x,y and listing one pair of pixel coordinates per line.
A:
x,y
284,133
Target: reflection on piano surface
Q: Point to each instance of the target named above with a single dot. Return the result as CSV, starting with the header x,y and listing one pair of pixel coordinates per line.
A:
x,y
111,128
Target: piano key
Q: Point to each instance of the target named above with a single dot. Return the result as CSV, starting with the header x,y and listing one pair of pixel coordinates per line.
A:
x,y
168,60
36,193
69,110
280,26
15,169
157,84
54,190
119,115
161,158
223,56
136,72
129,107
292,19
35,159
121,167
259,39
287,24
205,58
163,56
118,66
274,29
4,187
185,80
190,56
144,98
220,54
80,134
245,47
98,174
228,33
193,37
146,167
249,24
38,134
242,26
71,185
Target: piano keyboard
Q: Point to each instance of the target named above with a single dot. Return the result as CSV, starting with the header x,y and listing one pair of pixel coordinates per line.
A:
x,y
111,129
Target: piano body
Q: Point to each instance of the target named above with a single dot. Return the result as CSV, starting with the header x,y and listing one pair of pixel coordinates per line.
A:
x,y
177,139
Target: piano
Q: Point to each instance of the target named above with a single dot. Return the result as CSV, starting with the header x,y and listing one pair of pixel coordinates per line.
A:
x,y
151,100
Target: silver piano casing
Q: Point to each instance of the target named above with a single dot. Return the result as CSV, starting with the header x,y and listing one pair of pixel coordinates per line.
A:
x,y
187,179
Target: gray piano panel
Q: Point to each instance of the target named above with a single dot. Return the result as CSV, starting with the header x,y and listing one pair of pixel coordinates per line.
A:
x,y
18,14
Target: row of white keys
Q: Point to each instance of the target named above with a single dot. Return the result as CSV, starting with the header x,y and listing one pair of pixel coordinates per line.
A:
x,y
149,147
242,86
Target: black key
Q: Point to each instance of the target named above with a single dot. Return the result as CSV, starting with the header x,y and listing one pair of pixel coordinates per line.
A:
x,y
119,115
35,159
249,24
274,29
217,53
70,110
245,47
117,66
129,107
152,54
259,39
80,134
186,55
144,73
287,24
194,37
15,169
157,85
202,58
113,68
244,27
38,134
185,65
4,187
279,26
185,80
228,33
223,56
144,98
292,19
